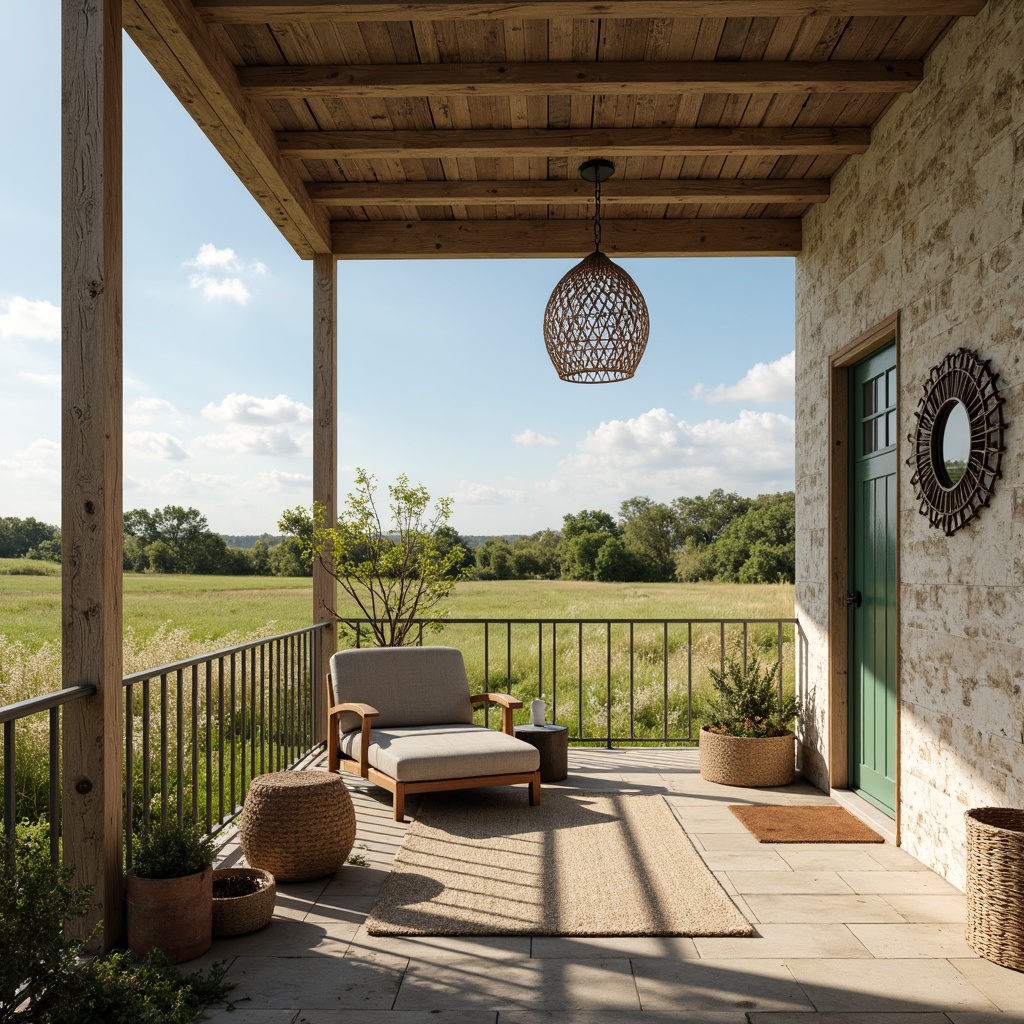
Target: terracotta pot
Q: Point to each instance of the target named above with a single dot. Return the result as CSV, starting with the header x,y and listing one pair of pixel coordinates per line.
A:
x,y
747,760
174,915
238,915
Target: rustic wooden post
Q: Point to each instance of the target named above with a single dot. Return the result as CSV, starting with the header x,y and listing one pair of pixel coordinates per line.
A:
x,y
91,514
325,466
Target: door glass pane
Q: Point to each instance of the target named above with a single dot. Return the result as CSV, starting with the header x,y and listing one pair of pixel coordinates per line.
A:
x,y
869,398
890,428
890,378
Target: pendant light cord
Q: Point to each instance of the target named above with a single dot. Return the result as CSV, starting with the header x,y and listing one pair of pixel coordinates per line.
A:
x,y
597,213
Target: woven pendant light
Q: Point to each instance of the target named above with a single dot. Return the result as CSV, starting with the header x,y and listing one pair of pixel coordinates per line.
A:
x,y
596,323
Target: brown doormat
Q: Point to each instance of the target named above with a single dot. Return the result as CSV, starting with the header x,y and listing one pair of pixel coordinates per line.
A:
x,y
484,862
817,823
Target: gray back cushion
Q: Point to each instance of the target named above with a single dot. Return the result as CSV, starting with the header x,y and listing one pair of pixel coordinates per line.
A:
x,y
407,685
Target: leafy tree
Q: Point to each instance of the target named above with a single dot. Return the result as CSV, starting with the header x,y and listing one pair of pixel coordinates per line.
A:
x,y
47,550
161,557
392,567
448,538
19,536
259,558
588,521
702,520
650,532
495,561
760,545
297,524
579,554
615,563
287,559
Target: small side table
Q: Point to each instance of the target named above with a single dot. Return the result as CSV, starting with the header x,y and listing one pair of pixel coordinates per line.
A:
x,y
297,825
553,743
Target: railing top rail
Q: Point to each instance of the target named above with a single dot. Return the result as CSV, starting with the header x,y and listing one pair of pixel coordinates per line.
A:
x,y
44,702
200,659
587,622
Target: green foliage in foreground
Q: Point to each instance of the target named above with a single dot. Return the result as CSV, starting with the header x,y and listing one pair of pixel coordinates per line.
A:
x,y
746,699
43,978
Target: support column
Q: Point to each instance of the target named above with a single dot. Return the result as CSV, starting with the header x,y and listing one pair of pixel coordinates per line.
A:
x,y
325,466
91,513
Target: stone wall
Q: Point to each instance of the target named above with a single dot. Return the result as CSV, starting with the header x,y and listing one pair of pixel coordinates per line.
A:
x,y
929,223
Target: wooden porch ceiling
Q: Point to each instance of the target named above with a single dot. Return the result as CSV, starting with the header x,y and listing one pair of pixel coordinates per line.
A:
x,y
388,129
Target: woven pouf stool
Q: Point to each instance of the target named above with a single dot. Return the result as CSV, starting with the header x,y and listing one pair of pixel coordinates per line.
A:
x,y
297,825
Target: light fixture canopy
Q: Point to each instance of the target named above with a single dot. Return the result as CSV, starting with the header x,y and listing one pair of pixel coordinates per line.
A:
x,y
596,323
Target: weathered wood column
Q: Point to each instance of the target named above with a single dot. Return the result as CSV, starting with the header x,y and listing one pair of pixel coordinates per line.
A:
x,y
91,514
325,465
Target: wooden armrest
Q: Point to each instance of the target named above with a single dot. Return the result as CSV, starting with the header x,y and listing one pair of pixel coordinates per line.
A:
x,y
362,710
508,705
503,699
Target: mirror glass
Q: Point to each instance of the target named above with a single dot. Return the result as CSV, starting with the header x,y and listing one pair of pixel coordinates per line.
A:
x,y
955,443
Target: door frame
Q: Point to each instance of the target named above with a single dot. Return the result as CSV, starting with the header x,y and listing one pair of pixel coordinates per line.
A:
x,y
885,333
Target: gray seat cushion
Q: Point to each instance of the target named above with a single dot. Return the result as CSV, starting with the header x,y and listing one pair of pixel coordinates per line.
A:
x,y
455,751
407,685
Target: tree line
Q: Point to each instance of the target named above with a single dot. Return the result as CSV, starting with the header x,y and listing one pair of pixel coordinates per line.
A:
x,y
721,536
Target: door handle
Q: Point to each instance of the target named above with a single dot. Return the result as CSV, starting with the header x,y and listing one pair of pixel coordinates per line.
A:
x,y
855,599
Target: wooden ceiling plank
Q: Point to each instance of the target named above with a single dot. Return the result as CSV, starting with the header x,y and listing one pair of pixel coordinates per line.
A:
x,y
600,78
181,48
567,142
275,11
445,193
546,238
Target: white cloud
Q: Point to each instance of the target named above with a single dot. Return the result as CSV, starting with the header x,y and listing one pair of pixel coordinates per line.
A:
x,y
659,454
247,409
150,444
275,480
233,288
46,380
531,439
30,320
186,487
210,256
40,461
144,411
246,440
469,493
764,382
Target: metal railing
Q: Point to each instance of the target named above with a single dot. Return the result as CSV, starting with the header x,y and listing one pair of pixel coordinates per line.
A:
x,y
612,681
197,731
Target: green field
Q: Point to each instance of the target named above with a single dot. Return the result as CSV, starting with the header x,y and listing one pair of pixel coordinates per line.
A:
x,y
210,607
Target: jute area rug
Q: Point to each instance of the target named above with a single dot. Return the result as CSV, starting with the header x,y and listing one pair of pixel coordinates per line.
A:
x,y
815,823
582,863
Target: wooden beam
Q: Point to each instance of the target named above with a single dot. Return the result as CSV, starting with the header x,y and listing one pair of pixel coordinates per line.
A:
x,y
279,12
553,193
663,78
579,142
563,238
180,46
91,419
325,469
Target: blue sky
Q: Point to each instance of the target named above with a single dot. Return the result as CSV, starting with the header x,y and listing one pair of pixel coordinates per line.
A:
x,y
443,372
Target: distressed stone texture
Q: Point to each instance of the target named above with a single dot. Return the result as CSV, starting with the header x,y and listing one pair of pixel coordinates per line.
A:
x,y
929,223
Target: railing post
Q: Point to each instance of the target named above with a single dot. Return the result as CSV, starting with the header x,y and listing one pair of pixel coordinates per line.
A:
x,y
325,470
91,403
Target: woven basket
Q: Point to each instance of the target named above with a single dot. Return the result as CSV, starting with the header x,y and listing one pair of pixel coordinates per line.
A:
x,y
747,760
995,884
237,915
297,825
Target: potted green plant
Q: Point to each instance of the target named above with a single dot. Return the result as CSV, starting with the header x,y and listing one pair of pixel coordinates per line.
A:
x,y
170,891
748,739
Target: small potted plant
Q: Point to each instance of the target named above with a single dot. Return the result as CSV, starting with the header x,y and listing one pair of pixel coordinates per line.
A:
x,y
748,739
170,892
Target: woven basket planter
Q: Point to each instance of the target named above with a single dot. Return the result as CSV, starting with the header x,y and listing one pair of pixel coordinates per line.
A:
x,y
297,825
995,884
747,760
238,915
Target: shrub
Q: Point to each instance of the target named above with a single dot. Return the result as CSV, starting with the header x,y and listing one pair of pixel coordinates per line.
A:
x,y
172,850
746,699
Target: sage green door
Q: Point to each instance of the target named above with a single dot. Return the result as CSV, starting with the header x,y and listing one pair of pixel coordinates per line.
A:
x,y
872,610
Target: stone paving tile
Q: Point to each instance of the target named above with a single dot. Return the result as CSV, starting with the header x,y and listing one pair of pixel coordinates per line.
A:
x,y
318,982
701,818
785,940
826,857
718,985
892,858
795,882
1010,1017
887,985
397,1017
551,985
603,947
785,907
730,841
764,859
443,947
1003,986
896,881
287,937
296,899
917,907
913,940
627,1017
849,1018
245,1014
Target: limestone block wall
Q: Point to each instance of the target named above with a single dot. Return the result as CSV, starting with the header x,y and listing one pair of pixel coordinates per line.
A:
x,y
930,224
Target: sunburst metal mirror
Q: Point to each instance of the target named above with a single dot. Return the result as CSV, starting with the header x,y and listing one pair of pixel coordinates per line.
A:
x,y
958,445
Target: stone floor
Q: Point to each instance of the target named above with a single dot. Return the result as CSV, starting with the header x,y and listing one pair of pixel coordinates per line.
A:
x,y
851,934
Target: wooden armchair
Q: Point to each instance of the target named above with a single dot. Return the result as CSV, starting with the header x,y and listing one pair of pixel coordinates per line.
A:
x,y
402,717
